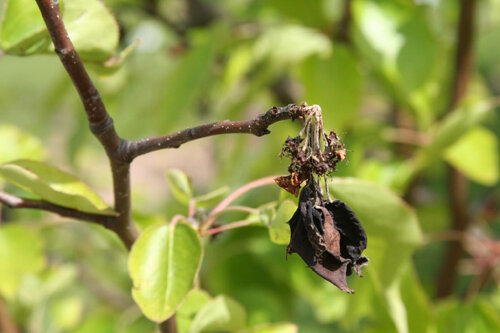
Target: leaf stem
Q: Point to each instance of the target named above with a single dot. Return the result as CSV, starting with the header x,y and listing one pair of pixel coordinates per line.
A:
x,y
229,226
231,197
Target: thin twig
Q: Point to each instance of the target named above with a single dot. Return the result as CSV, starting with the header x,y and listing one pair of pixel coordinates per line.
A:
x,y
238,209
229,226
257,126
16,202
233,196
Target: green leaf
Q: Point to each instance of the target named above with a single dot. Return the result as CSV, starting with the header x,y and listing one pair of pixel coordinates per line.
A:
x,y
21,252
211,198
17,144
335,83
194,301
220,314
273,328
452,128
114,63
91,27
180,184
279,231
280,44
67,311
163,264
391,225
476,155
53,185
185,83
397,40
416,301
393,234
23,29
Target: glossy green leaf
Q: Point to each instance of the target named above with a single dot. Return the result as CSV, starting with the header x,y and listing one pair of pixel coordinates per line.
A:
x,y
391,225
280,44
476,155
279,231
17,144
163,264
220,314
91,27
211,198
180,184
334,83
21,252
53,185
273,328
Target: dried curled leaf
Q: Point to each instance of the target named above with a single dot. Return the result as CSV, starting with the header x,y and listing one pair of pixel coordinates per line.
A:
x,y
291,183
328,237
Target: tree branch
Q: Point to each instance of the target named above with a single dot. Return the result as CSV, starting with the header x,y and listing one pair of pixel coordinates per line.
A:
x,y
457,183
342,33
16,202
100,122
257,126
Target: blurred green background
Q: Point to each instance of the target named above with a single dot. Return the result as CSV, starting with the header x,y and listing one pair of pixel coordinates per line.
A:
x,y
384,85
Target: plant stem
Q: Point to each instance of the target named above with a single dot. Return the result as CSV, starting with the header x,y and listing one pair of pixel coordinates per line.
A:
x,y
457,183
14,202
231,197
233,225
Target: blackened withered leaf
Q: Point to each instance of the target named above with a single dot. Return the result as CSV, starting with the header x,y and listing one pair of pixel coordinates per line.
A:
x,y
353,237
328,237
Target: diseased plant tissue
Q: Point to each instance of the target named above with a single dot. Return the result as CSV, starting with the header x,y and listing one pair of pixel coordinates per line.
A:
x,y
326,234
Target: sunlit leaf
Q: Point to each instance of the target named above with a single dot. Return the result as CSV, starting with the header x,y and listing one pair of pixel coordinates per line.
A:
x,y
476,155
163,264
281,44
91,27
21,252
17,144
220,314
53,185
23,29
279,231
180,184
